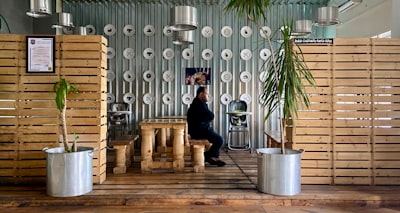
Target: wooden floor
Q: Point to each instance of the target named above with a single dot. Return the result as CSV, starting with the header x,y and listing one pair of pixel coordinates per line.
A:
x,y
232,188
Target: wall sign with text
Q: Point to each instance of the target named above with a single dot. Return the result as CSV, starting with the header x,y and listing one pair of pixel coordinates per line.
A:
x,y
40,54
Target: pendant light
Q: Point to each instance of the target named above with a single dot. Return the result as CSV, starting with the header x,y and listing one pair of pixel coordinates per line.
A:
x,y
40,8
183,18
183,37
327,16
302,27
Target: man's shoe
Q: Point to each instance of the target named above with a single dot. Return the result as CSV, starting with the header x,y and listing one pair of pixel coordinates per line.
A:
x,y
211,161
220,163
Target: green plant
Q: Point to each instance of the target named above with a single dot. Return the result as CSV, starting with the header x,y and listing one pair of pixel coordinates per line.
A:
x,y
62,88
283,90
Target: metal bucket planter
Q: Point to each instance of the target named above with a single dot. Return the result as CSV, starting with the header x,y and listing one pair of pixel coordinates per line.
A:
x,y
69,174
279,174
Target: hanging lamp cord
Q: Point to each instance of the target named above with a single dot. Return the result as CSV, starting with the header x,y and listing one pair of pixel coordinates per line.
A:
x,y
8,27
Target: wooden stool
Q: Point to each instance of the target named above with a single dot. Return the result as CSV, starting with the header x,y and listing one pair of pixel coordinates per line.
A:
x,y
198,147
123,152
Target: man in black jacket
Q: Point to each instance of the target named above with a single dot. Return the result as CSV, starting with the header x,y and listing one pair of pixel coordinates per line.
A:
x,y
199,118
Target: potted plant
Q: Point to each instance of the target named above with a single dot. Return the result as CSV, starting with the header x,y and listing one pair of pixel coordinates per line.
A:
x,y
69,168
283,92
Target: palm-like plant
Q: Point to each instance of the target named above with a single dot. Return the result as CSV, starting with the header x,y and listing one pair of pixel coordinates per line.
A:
x,y
62,88
285,70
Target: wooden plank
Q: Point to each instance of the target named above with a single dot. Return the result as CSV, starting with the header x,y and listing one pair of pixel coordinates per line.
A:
x,y
83,39
353,180
352,164
348,156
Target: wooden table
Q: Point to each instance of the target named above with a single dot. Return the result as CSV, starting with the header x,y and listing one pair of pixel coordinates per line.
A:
x,y
164,134
148,127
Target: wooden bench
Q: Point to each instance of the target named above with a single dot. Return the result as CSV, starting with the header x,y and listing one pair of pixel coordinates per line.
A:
x,y
198,147
124,149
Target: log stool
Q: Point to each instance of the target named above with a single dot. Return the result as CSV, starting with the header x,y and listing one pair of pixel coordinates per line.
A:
x,y
123,152
198,147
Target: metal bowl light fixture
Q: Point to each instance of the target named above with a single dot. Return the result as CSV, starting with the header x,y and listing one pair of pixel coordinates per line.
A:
x,y
302,27
183,37
40,8
327,16
183,18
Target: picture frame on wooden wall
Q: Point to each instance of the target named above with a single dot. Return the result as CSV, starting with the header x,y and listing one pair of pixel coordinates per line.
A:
x,y
40,54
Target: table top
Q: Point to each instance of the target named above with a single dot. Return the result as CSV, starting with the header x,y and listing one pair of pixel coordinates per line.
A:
x,y
239,113
162,123
121,112
173,117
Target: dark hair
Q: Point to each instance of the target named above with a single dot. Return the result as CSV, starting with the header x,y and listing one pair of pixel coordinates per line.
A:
x,y
200,90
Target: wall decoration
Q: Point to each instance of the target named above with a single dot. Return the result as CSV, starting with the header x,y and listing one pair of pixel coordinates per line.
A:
x,y
245,76
207,32
246,54
148,76
226,99
90,29
68,30
149,30
265,29
168,75
148,53
246,98
129,98
198,76
187,98
110,75
129,53
168,98
226,76
148,98
129,30
168,53
187,54
167,31
226,31
129,76
246,31
40,54
207,54
109,30
110,98
110,52
265,54
226,54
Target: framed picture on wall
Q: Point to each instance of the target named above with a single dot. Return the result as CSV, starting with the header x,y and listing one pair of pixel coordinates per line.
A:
x,y
198,76
40,56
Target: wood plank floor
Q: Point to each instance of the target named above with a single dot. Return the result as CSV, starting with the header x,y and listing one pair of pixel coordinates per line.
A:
x,y
232,188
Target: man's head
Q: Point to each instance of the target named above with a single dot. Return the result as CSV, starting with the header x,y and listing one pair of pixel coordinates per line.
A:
x,y
202,93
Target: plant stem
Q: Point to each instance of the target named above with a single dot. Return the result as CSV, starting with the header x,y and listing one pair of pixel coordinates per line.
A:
x,y
64,124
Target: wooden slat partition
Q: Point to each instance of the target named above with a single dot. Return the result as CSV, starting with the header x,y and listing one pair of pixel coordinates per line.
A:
x,y
29,120
351,133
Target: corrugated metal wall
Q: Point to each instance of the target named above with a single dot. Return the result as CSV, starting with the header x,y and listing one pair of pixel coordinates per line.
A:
x,y
146,97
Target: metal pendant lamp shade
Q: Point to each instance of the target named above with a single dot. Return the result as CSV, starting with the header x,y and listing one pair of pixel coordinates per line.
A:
x,y
183,37
327,16
40,8
303,27
183,18
64,20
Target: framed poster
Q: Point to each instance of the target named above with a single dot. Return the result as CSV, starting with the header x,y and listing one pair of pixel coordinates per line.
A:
x,y
40,54
198,76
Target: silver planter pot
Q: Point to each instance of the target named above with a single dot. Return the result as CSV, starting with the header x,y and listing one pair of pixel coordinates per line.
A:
x,y
279,174
69,174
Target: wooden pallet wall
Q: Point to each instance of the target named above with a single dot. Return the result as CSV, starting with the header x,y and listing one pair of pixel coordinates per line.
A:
x,y
29,120
351,133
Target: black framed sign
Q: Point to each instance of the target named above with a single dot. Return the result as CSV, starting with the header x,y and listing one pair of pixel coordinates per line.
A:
x,y
40,54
